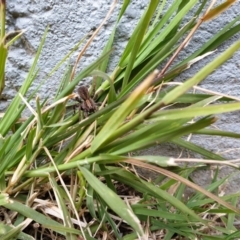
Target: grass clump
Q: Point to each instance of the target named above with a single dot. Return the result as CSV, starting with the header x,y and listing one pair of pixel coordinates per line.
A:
x,y
69,177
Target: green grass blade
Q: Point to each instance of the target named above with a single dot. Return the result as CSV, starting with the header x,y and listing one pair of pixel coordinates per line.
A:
x,y
195,111
153,61
120,114
62,205
215,132
12,233
156,28
4,198
90,201
113,200
21,236
138,40
3,58
123,9
103,66
85,72
215,41
39,218
160,137
152,190
180,15
193,147
13,112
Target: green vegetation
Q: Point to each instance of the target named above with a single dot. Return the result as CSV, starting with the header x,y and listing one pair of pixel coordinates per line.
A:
x,y
61,176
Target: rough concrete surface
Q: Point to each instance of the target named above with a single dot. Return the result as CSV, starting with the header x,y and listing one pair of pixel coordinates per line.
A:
x,y
70,21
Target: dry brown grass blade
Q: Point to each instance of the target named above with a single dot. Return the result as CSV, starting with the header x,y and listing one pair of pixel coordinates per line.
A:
x,y
91,38
186,40
183,180
218,10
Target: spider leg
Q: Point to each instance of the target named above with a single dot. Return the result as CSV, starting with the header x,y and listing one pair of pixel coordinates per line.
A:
x,y
78,99
74,108
83,110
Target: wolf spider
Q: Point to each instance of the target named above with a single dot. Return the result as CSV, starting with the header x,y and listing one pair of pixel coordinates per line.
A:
x,y
87,104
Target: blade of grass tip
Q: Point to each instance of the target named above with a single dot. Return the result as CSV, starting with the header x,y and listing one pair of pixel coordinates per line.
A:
x,y
123,9
195,148
201,7
67,56
112,93
218,10
185,41
104,64
39,114
216,132
81,75
29,145
155,27
120,114
125,56
113,201
57,66
81,190
13,112
11,37
65,80
92,37
201,75
161,161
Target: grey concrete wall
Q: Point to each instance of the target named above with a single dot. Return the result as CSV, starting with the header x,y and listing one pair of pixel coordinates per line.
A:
x,y
70,21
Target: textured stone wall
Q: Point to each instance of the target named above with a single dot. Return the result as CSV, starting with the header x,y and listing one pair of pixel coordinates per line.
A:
x,y
70,21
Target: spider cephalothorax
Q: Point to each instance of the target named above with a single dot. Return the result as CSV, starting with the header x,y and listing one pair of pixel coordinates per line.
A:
x,y
87,104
